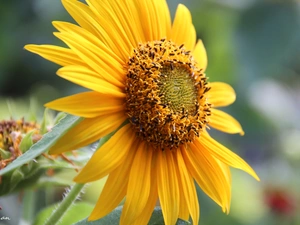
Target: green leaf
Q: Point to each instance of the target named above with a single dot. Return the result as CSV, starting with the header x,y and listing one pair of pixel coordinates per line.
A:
x,y
157,218
4,154
26,142
44,144
58,117
182,222
114,217
77,212
33,175
45,121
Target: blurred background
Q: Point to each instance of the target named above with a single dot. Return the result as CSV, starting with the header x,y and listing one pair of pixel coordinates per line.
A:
x,y
252,45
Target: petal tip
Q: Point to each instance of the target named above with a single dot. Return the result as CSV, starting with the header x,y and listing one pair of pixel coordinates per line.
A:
x,y
30,47
78,178
27,47
200,55
93,216
252,173
47,105
256,177
55,23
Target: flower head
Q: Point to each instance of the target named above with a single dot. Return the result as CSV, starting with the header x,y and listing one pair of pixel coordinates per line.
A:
x,y
16,138
11,135
145,70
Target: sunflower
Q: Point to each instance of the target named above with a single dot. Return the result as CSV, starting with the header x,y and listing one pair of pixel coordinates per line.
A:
x,y
148,85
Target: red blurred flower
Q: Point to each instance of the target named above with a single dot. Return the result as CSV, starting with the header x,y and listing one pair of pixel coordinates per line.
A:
x,y
280,201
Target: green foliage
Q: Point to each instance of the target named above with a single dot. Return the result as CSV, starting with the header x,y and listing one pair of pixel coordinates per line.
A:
x,y
77,212
4,154
246,41
44,144
26,142
45,121
58,117
216,31
268,36
29,175
114,217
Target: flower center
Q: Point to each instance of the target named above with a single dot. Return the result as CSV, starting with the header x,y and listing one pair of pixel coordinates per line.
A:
x,y
11,135
177,88
11,130
165,94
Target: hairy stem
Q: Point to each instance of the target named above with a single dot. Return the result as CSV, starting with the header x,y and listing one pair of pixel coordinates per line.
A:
x,y
65,204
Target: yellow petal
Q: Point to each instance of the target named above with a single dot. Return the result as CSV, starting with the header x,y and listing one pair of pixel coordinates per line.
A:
x,y
183,31
81,14
164,16
221,173
123,11
115,187
225,155
109,156
144,217
99,59
146,15
117,16
184,212
224,122
87,132
58,55
133,15
87,78
90,40
161,20
207,173
221,94
155,19
88,104
191,41
200,55
168,190
87,19
188,188
139,184
226,171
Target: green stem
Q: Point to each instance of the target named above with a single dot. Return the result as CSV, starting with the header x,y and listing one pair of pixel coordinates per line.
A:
x,y
65,204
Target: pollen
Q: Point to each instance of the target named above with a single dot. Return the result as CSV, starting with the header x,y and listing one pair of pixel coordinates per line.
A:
x,y
166,94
